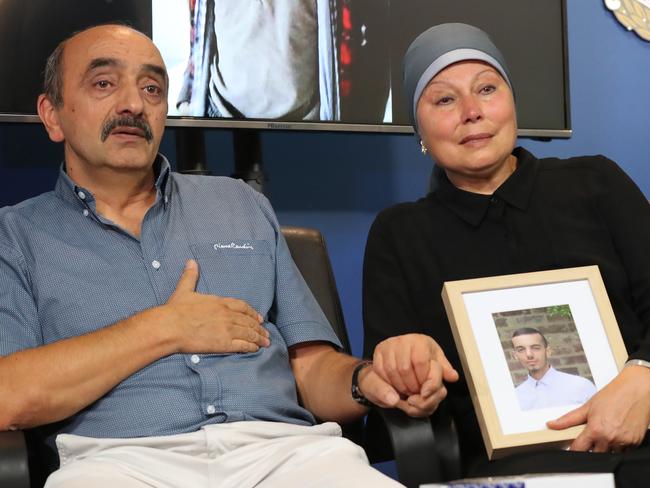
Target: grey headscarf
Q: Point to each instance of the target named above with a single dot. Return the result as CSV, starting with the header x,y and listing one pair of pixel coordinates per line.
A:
x,y
440,46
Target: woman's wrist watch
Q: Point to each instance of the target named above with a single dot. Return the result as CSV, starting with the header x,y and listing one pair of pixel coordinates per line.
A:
x,y
357,395
637,362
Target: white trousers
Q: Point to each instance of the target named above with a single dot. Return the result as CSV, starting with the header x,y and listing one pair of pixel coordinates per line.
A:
x,y
237,455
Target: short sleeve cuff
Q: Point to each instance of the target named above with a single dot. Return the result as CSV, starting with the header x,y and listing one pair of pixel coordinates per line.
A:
x,y
309,332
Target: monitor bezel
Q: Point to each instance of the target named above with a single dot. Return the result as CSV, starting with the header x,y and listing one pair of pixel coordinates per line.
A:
x,y
331,126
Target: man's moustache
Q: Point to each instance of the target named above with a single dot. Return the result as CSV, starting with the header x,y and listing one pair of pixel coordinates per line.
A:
x,y
136,122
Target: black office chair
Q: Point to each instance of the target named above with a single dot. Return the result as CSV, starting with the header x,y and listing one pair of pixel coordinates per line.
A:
x,y
422,453
14,472
424,450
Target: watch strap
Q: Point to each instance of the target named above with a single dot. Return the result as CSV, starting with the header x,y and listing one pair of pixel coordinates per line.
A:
x,y
637,362
357,395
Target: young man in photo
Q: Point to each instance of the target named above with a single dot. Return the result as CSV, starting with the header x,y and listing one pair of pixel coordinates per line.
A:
x,y
545,385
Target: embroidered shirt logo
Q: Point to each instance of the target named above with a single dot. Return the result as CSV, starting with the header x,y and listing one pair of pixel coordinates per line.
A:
x,y
232,245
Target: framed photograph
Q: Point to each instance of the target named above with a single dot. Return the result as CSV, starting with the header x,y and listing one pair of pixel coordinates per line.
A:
x,y
533,347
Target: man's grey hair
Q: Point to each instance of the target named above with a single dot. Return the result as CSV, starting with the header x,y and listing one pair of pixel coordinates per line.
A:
x,y
527,331
53,75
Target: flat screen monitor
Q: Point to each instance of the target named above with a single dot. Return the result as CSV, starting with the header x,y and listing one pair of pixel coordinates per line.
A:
x,y
294,64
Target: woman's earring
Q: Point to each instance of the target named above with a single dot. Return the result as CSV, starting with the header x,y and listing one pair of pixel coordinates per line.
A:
x,y
423,148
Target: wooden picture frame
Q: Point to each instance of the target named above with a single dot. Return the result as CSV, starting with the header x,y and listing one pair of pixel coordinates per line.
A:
x,y
476,309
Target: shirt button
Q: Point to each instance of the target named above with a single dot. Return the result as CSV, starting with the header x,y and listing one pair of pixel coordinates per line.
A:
x,y
195,359
494,199
211,410
81,195
86,212
155,264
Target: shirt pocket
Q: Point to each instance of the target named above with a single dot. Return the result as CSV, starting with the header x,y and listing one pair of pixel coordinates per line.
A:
x,y
243,269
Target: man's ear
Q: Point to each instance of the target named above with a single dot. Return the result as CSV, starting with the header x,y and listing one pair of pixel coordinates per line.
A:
x,y
549,351
50,118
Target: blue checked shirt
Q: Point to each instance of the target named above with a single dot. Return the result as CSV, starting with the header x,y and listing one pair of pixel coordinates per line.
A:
x,y
65,271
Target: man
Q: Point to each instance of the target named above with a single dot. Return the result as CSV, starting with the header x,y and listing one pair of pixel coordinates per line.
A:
x,y
156,321
545,386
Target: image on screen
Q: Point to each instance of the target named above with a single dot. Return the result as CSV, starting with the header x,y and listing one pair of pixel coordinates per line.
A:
x,y
302,64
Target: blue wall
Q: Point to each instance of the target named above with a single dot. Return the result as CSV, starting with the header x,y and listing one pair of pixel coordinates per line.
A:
x,y
338,182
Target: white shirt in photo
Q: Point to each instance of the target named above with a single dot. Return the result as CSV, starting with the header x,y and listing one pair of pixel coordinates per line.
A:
x,y
554,389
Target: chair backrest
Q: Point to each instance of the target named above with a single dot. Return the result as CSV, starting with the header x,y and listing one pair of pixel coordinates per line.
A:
x,y
309,252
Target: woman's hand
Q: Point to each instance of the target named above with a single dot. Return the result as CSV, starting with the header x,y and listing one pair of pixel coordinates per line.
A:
x,y
617,417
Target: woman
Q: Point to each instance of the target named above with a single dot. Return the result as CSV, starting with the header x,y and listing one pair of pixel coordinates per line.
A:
x,y
496,210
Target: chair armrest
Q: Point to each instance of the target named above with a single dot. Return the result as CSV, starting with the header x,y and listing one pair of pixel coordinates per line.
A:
x,y
425,450
14,472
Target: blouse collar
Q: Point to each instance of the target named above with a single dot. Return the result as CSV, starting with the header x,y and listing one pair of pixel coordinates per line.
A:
x,y
472,207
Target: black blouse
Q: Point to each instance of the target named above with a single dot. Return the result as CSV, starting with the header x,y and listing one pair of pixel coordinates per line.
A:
x,y
550,213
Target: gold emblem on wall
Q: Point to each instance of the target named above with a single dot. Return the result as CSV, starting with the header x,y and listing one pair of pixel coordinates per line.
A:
x,y
633,14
